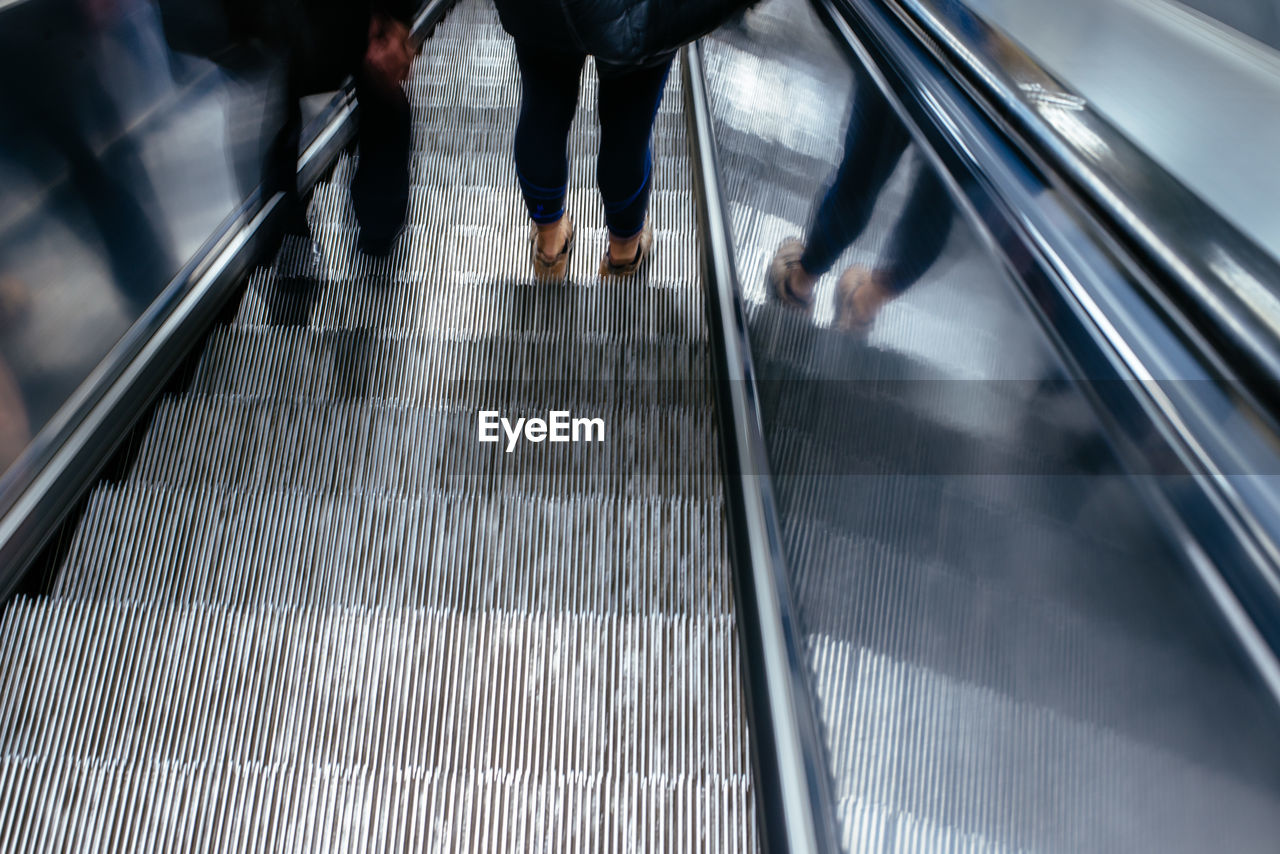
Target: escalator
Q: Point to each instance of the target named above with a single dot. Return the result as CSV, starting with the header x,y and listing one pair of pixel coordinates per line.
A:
x,y
1006,649
798,588
317,614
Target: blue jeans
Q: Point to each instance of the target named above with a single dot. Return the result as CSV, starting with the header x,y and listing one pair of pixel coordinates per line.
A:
x,y
874,143
628,105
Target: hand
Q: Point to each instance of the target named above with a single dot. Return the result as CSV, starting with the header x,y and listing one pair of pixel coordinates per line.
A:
x,y
389,54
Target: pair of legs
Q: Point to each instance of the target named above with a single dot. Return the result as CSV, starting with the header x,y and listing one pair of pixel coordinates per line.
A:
x,y
874,143
628,104
380,187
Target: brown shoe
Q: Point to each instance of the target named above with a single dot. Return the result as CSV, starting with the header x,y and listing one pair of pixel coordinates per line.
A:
x,y
643,245
784,269
551,267
860,294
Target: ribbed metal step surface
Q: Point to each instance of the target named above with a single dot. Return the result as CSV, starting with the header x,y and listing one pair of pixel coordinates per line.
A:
x,y
315,613
1005,653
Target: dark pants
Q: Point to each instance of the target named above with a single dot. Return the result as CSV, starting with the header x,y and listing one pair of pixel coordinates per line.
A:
x,y
628,105
380,187
873,145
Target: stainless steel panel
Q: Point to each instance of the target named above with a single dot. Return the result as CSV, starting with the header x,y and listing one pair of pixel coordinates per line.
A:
x,y
1200,98
1005,651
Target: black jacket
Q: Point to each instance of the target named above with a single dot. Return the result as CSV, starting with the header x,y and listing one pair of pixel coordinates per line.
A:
x,y
324,39
620,32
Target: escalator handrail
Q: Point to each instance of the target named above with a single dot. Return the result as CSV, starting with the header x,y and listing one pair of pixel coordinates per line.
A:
x,y
1214,283
793,792
1094,304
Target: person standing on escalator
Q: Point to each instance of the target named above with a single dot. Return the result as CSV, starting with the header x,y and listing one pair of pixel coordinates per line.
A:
x,y
319,43
633,42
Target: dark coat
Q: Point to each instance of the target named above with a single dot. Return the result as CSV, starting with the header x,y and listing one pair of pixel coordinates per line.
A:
x,y
619,32
324,39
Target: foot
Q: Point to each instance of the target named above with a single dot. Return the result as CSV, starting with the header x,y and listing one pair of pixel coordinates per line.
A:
x,y
860,294
793,285
623,250
552,243
375,246
624,255
553,237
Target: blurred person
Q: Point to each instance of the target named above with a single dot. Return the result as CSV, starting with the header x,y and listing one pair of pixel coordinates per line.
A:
x,y
54,98
633,42
874,143
313,46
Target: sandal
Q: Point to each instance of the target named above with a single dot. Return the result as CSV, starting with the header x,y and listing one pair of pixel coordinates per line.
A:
x,y
785,263
849,317
553,267
643,245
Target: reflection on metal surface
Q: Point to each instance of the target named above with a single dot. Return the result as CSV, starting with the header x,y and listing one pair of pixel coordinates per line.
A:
x,y
1263,297
1058,109
1172,232
1156,301
1077,133
1053,97
1005,651
1199,99
113,169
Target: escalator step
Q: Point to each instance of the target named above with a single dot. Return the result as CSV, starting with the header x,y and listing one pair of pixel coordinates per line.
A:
x,y
392,448
605,310
256,807
361,694
464,254
451,551
252,806
412,368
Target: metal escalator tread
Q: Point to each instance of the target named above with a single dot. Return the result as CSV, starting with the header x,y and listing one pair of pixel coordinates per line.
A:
x,y
317,614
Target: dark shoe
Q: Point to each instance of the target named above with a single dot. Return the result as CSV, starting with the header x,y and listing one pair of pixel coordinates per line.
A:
x,y
609,268
299,274
375,246
551,267
784,266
